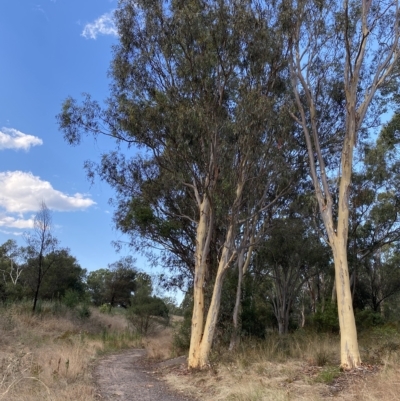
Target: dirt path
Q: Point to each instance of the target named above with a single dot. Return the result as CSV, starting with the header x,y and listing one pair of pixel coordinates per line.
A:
x,y
127,376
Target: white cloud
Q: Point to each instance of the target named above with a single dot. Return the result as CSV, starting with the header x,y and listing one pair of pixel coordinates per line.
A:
x,y
12,222
22,192
11,138
103,25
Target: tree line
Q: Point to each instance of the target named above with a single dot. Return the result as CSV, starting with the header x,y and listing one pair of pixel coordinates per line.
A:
x,y
252,150
44,271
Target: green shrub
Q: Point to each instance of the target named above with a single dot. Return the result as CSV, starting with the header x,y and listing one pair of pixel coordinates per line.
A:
x,y
181,341
147,313
71,298
84,311
367,318
326,321
105,308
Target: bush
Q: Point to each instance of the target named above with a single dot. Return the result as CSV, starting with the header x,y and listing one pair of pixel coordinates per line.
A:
x,y
84,311
147,313
105,308
326,321
71,298
367,318
181,340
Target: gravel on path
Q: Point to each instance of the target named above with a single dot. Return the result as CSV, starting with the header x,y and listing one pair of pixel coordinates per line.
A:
x,y
127,376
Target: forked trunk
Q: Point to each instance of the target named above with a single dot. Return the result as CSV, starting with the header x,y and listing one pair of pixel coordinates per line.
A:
x,y
200,358
202,249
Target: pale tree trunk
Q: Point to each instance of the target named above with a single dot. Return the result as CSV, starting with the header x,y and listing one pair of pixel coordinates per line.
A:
x,y
201,339
212,315
359,51
303,316
349,353
203,235
237,309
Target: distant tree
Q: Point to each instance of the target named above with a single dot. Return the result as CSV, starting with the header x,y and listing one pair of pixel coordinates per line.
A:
x,y
116,284
147,312
41,252
289,257
96,286
121,282
11,261
66,274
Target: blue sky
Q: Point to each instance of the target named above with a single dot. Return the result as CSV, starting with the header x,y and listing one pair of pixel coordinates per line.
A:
x,y
50,49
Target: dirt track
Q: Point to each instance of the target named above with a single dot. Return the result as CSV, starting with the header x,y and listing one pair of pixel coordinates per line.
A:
x,y
127,376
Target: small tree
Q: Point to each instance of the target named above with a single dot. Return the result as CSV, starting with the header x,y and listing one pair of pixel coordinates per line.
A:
x,y
10,263
41,250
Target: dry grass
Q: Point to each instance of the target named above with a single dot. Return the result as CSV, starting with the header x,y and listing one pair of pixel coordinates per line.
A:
x,y
298,367
160,345
49,356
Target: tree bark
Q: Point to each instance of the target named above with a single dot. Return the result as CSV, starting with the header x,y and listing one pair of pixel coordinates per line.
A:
x,y
349,353
202,249
213,311
242,268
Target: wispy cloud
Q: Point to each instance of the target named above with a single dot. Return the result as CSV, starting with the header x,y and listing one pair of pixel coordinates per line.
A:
x,y
103,25
11,138
22,192
7,232
40,9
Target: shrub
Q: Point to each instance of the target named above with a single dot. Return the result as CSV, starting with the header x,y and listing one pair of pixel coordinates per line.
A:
x,y
147,313
84,311
326,321
105,308
367,318
71,298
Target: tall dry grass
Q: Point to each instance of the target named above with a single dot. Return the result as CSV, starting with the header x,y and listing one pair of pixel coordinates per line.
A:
x,y
301,366
49,356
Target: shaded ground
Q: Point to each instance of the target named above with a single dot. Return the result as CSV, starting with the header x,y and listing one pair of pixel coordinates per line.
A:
x,y
128,376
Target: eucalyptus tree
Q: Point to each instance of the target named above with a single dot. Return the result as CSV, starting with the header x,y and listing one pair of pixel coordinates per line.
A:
x,y
375,218
11,261
197,90
342,58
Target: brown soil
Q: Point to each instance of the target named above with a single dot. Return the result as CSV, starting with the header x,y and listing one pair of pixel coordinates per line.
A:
x,y
129,376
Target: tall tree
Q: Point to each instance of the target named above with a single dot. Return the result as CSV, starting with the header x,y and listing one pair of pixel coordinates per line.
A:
x,y
342,54
198,86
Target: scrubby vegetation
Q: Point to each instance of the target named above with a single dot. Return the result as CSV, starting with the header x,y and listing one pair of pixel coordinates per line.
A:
x,y
48,355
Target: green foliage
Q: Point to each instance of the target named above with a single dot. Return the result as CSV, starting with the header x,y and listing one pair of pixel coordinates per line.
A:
x,y
173,308
104,308
71,298
147,313
367,318
181,339
327,320
115,284
328,375
84,311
